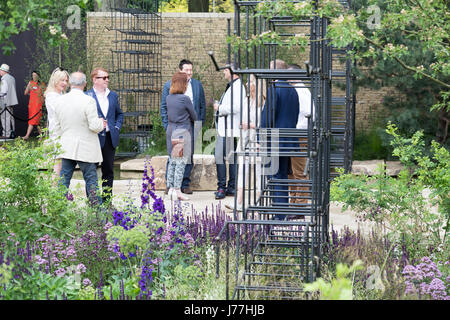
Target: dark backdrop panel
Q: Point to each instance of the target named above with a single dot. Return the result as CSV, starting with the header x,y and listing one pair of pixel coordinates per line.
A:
x,y
17,61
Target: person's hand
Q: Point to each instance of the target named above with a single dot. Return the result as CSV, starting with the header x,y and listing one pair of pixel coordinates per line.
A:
x,y
216,105
105,122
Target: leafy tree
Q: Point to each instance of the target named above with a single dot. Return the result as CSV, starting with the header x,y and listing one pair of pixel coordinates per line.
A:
x,y
406,38
17,16
198,5
376,70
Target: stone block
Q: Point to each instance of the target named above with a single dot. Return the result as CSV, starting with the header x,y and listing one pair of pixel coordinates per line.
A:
x,y
369,167
393,168
203,174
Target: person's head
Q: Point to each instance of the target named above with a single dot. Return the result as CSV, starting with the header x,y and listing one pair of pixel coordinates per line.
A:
x,y
58,81
77,80
261,89
228,71
294,67
100,79
278,64
179,83
186,67
35,76
4,69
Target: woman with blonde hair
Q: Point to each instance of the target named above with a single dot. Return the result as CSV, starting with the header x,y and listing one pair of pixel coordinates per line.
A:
x,y
57,86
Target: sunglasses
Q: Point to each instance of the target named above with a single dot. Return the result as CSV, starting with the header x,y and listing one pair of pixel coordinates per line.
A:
x,y
59,69
104,78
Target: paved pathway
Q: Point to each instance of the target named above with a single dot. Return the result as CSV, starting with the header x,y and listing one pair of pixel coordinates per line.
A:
x,y
199,200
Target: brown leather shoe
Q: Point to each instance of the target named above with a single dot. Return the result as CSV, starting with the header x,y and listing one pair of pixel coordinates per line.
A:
x,y
186,190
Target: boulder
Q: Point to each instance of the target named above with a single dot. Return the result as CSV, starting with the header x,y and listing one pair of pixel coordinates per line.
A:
x,y
203,174
393,168
370,167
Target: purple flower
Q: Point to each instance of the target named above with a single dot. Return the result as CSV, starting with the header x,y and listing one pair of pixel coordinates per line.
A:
x,y
423,279
60,272
87,282
69,196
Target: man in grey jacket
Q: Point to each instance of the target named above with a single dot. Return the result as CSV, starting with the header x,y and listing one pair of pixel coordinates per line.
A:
x,y
8,99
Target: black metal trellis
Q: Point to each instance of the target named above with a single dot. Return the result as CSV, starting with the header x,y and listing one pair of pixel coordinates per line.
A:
x,y
136,64
279,256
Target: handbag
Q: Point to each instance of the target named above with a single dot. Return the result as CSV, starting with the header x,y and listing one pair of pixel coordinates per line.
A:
x,y
177,148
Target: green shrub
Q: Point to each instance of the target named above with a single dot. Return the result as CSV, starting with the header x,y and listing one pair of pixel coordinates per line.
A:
x,y
401,205
369,146
30,204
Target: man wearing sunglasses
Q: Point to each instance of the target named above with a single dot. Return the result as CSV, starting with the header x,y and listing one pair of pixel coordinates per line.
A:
x,y
108,108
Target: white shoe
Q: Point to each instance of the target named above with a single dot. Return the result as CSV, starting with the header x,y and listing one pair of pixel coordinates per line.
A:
x,y
179,195
172,194
231,207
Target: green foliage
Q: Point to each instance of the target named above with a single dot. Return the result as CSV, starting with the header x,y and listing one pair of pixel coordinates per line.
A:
x,y
182,6
402,44
184,281
158,143
369,146
339,288
400,205
432,171
20,15
38,285
30,205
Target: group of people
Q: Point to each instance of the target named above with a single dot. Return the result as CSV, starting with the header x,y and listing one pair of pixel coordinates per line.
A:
x,y
87,124
183,103
83,125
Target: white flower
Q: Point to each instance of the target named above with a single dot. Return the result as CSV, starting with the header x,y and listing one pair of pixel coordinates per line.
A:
x,y
52,30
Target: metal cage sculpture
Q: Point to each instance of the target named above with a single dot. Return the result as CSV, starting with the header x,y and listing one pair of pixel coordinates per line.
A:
x,y
274,257
136,69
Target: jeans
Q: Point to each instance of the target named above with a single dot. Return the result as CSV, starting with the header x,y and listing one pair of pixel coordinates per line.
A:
x,y
89,171
224,147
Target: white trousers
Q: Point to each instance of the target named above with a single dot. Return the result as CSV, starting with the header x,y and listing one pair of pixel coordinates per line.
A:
x,y
7,120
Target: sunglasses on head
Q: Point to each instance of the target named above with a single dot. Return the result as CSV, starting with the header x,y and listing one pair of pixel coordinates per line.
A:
x,y
104,78
59,69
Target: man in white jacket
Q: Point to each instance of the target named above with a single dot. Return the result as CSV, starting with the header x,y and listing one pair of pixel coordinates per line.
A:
x,y
8,100
228,119
77,124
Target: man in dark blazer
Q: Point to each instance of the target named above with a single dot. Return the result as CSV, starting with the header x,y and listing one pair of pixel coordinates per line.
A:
x,y
281,111
197,95
108,108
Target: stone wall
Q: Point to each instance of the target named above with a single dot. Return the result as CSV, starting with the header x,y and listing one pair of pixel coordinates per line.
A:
x,y
191,36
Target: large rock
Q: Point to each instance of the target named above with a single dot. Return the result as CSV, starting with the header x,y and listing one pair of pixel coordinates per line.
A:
x,y
393,168
370,167
203,175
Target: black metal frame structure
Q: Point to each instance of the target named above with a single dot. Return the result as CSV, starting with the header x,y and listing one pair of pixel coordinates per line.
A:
x,y
275,257
136,69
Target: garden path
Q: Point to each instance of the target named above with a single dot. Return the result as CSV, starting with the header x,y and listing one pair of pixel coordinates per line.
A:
x,y
199,200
